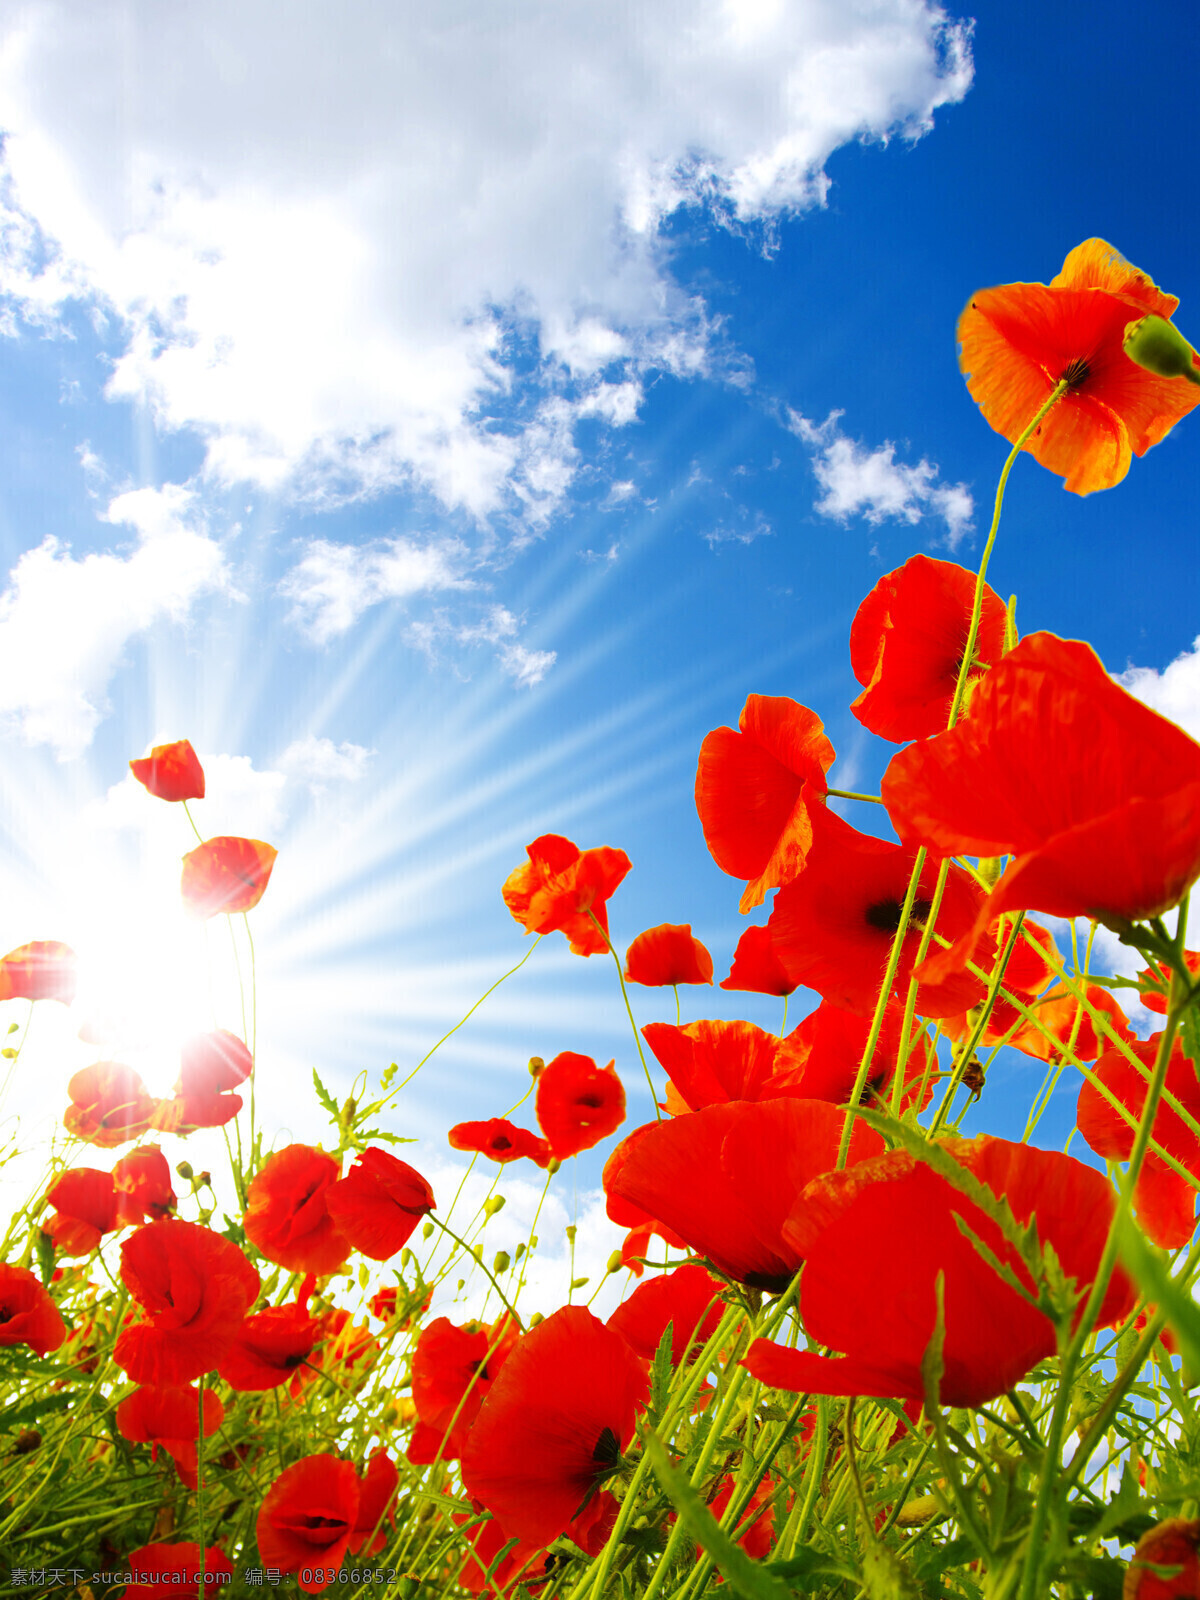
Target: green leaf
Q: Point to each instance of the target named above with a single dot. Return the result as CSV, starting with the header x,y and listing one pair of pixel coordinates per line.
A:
x,y
884,1578
661,1372
1152,1278
809,1569
324,1096
749,1578
1000,1268
44,1246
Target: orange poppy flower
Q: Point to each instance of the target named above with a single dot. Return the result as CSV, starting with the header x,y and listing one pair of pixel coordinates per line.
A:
x,y
907,642
578,1103
1164,1200
820,1058
43,970
308,1518
1018,341
666,955
833,926
687,1300
1059,1013
754,789
1155,981
210,1065
500,1140
226,874
109,1105
712,1062
171,772
1096,796
286,1215
271,1348
556,889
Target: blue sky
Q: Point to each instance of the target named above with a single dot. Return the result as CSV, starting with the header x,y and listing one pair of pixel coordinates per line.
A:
x,y
445,422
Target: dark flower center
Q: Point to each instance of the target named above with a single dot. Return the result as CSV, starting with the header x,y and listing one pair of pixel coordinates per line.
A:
x,y
1076,372
501,1142
594,1101
885,914
6,1314
607,1453
769,1282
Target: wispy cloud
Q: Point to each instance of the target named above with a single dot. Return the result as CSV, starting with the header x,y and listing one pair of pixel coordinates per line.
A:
x,y
333,584
319,762
857,481
338,249
65,621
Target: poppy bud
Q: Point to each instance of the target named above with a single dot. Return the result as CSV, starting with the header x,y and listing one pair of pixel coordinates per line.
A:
x,y
184,1169
427,1230
493,1204
502,1261
520,1251
536,1065
536,1320
553,1165
1157,345
570,1230
615,1263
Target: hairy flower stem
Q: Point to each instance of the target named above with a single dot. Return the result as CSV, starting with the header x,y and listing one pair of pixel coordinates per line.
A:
x,y
637,1039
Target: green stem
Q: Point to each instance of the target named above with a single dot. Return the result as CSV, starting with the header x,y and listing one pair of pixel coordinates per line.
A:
x,y
637,1038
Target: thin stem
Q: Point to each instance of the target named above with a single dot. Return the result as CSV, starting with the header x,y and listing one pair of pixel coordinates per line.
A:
x,y
637,1038
852,794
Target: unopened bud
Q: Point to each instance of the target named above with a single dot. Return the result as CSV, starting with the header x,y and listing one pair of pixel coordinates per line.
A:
x,y
536,1066
571,1231
553,1165
520,1251
184,1169
615,1262
578,1283
427,1230
535,1319
205,1180
1158,345
502,1261
493,1203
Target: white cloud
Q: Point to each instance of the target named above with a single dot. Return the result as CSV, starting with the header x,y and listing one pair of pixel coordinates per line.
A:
x,y
859,482
498,627
238,798
527,667
1174,692
333,584
319,762
321,244
65,622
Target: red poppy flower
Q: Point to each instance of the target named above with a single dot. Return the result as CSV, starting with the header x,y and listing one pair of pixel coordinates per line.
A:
x,y
85,1210
1173,1544
453,1370
378,1486
169,1416
833,927
27,1313
344,1345
756,968
666,955
1031,967
43,970
1018,341
308,1518
755,789
727,1177
1060,1015
688,1298
142,1186
1155,981
226,874
500,1140
1095,795
404,1306
557,888
524,1563
171,772
195,1289
907,642
175,1568
820,1058
210,1065
109,1106
557,1417
876,1237
286,1213
755,1531
578,1103
1164,1200
378,1204
271,1348
710,1063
